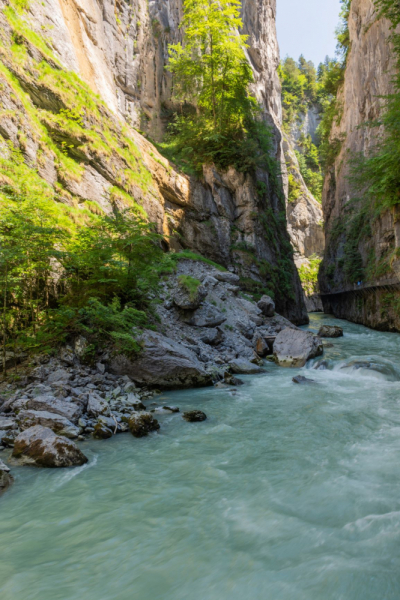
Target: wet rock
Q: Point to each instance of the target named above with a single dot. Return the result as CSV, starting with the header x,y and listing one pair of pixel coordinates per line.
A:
x,y
6,478
267,306
189,300
241,366
97,406
293,347
207,315
194,416
142,424
173,409
163,362
302,380
226,277
330,331
260,345
42,447
69,410
55,422
212,337
232,380
103,430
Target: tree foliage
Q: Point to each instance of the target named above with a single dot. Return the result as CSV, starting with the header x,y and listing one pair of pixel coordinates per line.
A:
x,y
219,121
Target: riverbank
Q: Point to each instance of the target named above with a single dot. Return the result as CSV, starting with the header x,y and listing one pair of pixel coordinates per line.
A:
x,y
285,490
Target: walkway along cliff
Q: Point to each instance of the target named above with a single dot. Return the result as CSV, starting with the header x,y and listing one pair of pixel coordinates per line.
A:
x,y
359,278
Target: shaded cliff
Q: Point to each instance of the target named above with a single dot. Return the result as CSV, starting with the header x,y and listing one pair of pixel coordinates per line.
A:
x,y
56,56
359,244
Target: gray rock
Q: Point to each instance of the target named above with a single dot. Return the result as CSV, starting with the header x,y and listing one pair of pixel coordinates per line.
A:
x,y
42,447
194,416
212,337
241,366
246,328
294,347
226,277
97,406
100,367
163,362
67,355
69,410
302,380
6,423
330,331
80,346
6,478
55,422
210,282
61,375
173,409
189,301
207,315
267,306
142,424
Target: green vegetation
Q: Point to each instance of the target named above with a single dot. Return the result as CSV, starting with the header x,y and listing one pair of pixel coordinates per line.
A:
x,y
57,281
309,275
376,176
218,121
190,284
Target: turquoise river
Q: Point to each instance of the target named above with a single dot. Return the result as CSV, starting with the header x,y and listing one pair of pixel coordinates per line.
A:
x,y
286,492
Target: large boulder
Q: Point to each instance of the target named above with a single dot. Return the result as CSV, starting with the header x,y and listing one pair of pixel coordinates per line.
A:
x,y
40,446
242,366
330,331
69,410
294,347
194,416
6,478
142,424
189,293
97,406
55,422
59,375
267,306
207,315
164,363
7,423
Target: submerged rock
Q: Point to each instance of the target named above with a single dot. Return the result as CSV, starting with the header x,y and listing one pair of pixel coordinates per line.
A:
x,y
294,347
194,416
42,447
163,362
142,424
302,380
330,331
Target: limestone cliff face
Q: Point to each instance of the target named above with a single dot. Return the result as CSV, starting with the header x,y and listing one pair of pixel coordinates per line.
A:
x,y
368,77
119,49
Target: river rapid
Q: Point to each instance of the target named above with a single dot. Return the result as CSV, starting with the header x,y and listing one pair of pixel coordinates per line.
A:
x,y
286,492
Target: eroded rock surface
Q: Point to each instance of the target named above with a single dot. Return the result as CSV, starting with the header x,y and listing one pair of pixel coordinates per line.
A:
x,y
330,331
42,447
294,347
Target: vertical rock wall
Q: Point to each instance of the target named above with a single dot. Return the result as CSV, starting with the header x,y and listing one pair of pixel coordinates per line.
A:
x,y
368,77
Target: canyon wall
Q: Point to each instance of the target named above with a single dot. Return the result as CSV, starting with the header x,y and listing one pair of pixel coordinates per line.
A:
x,y
89,149
368,77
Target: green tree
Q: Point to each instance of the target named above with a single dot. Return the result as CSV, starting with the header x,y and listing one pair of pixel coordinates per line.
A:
x,y
219,120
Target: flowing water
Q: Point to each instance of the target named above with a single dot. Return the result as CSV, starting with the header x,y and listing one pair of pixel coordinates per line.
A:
x,y
286,492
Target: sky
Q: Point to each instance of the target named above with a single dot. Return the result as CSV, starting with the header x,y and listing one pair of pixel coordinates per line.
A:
x,y
307,27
